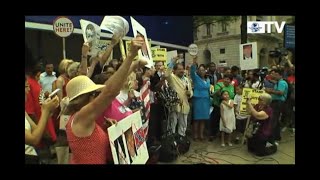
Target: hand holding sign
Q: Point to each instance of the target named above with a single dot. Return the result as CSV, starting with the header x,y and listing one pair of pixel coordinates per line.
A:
x,y
136,44
195,59
85,49
249,99
115,39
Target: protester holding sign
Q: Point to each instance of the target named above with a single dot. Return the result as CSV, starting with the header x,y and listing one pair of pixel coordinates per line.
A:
x,y
261,117
87,101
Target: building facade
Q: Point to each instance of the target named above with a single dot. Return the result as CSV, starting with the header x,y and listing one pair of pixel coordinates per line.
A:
x,y
219,43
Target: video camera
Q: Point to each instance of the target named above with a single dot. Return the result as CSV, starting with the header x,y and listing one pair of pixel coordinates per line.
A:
x,y
263,73
278,52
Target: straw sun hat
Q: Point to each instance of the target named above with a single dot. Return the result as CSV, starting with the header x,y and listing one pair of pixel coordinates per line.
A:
x,y
81,85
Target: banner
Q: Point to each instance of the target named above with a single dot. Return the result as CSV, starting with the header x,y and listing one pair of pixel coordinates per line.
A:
x,y
248,56
127,141
254,94
91,34
159,54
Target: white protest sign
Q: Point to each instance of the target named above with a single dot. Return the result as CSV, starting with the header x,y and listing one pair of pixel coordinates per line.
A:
x,y
248,56
171,55
193,49
91,34
127,141
145,51
117,25
63,26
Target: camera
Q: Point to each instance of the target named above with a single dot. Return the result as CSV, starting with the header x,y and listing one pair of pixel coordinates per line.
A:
x,y
278,53
256,127
263,73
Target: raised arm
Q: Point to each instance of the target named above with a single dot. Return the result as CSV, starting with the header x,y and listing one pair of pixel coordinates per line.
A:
x,y
94,62
106,55
193,70
168,73
89,113
84,59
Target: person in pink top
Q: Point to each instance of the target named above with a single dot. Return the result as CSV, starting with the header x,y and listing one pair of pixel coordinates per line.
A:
x,y
85,102
119,108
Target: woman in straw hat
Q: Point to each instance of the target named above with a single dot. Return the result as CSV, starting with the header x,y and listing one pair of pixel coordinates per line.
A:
x,y
88,142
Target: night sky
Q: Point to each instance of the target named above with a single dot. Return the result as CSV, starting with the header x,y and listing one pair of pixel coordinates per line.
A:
x,y
168,29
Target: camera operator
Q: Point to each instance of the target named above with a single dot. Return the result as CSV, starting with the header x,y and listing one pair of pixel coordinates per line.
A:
x,y
279,96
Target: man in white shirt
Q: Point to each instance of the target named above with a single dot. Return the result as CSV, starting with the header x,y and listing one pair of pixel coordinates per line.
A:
x,y
47,78
247,52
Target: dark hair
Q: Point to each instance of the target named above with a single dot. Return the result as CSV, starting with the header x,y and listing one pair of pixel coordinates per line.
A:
x,y
106,67
240,86
202,65
228,76
224,92
235,68
35,69
279,71
100,78
212,63
226,69
175,67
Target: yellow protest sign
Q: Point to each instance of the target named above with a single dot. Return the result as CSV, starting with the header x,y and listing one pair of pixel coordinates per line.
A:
x,y
159,54
254,94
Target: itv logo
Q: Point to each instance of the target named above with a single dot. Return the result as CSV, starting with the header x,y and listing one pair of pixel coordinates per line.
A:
x,y
264,26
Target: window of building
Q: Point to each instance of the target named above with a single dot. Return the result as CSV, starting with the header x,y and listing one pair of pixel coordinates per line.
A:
x,y
208,29
195,34
223,51
207,56
259,18
224,27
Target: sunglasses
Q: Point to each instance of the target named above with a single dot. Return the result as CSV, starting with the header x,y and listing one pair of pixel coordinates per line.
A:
x,y
95,94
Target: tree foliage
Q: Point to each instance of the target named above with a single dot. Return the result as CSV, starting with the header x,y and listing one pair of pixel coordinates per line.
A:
x,y
200,20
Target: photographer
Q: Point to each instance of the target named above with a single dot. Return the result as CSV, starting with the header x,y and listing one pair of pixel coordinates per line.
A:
x,y
262,131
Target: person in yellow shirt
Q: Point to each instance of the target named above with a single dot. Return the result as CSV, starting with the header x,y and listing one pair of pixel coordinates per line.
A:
x,y
177,81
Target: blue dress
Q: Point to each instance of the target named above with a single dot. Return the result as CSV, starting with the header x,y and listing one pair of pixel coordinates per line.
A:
x,y
201,98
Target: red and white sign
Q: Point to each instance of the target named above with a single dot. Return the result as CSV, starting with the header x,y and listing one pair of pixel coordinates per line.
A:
x,y
63,26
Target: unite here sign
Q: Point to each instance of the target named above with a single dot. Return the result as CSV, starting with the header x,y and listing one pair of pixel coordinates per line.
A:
x,y
63,26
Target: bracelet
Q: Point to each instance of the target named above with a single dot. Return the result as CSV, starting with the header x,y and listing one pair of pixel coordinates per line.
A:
x,y
83,56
